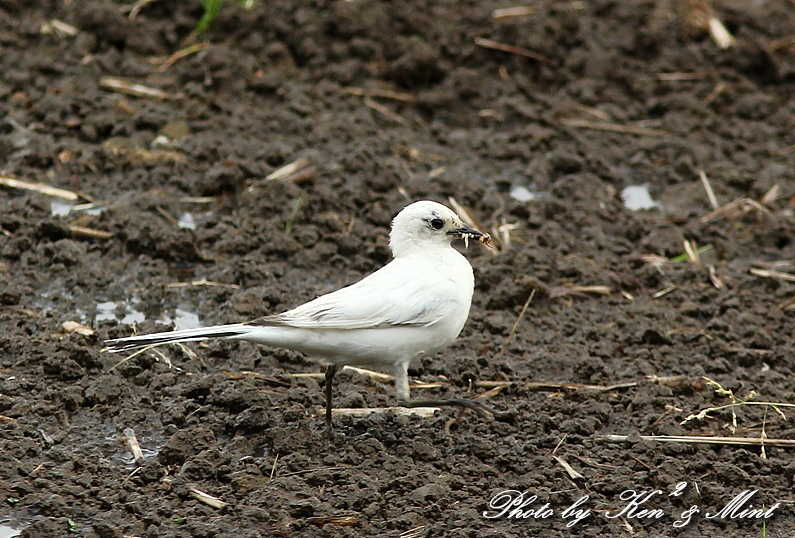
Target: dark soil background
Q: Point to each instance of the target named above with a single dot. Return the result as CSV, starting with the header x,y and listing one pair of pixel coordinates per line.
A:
x,y
387,103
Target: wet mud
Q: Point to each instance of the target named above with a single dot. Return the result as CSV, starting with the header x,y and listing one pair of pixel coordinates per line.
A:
x,y
581,149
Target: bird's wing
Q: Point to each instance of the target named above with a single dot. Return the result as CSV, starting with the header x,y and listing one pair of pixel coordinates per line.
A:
x,y
399,294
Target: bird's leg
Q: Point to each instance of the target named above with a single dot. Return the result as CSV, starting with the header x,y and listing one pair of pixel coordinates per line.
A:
x,y
402,381
331,369
402,390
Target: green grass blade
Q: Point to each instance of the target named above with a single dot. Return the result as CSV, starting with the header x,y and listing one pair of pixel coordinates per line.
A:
x,y
211,10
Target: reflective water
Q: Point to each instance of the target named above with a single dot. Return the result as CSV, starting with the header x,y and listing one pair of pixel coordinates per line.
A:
x,y
107,310
637,197
186,220
184,319
7,531
523,194
181,318
61,208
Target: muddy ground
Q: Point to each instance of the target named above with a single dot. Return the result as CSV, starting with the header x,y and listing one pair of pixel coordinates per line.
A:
x,y
385,103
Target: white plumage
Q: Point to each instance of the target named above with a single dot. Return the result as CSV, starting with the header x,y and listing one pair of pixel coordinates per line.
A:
x,y
416,304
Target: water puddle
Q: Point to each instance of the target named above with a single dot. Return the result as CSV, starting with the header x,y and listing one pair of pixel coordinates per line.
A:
x,y
58,208
638,197
181,318
184,319
186,220
61,208
523,194
9,531
87,309
126,458
107,310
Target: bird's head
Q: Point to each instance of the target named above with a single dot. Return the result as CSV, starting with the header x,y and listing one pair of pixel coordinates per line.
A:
x,y
426,224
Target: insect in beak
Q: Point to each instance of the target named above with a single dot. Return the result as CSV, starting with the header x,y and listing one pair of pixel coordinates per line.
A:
x,y
466,233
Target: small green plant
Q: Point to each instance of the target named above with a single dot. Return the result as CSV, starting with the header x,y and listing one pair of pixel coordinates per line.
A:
x,y
288,228
692,255
73,527
12,500
178,520
764,525
211,10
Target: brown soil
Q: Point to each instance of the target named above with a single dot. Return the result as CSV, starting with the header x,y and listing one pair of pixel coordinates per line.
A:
x,y
275,85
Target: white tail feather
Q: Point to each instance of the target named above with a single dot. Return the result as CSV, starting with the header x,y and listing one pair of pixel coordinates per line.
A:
x,y
186,335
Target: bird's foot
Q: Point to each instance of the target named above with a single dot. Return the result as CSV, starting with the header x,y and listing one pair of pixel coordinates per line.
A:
x,y
477,406
334,437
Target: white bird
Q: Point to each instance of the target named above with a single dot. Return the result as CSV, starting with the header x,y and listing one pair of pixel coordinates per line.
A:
x,y
415,305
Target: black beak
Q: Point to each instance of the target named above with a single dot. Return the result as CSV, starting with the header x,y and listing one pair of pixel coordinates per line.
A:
x,y
466,233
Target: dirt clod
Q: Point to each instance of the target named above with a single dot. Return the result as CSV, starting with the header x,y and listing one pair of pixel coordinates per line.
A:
x,y
384,103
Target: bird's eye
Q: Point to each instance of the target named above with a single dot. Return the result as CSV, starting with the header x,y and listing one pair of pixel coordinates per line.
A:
x,y
437,224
